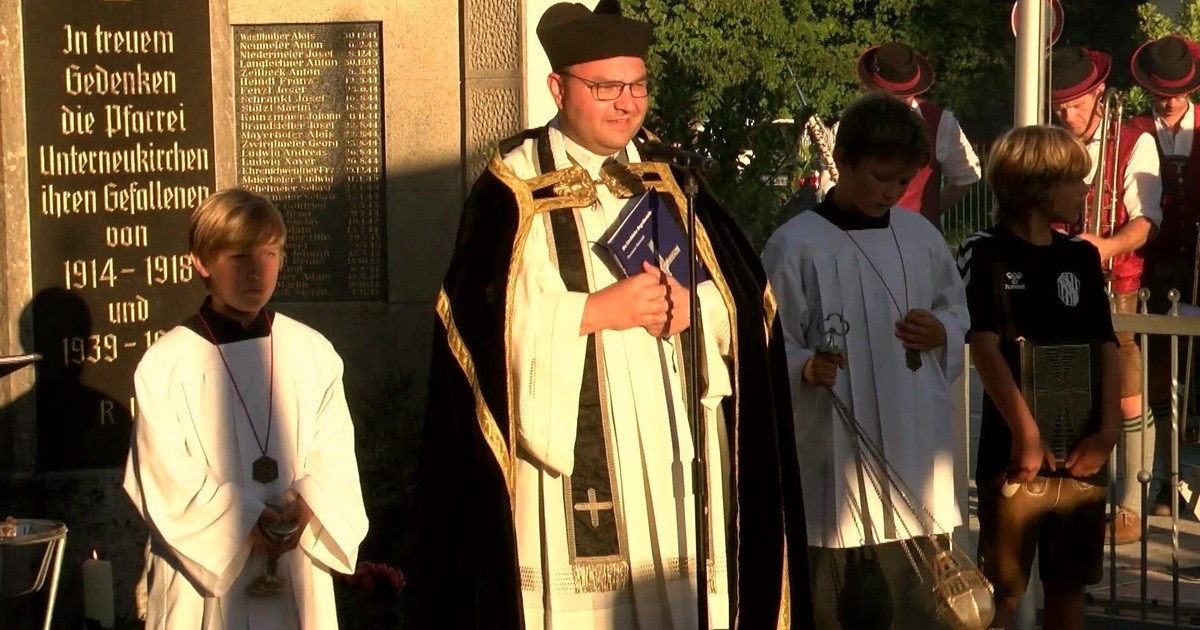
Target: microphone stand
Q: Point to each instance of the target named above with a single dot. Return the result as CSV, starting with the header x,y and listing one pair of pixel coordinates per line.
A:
x,y
689,163
699,428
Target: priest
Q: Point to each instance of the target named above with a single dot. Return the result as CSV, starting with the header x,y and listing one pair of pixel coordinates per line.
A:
x,y
557,486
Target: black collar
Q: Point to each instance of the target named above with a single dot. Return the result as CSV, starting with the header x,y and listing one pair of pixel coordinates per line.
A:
x,y
850,219
228,330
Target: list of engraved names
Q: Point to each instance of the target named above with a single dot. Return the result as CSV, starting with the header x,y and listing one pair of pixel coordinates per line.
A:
x,y
120,147
309,136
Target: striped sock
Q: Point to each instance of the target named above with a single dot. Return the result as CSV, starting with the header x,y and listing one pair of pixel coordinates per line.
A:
x,y
1129,460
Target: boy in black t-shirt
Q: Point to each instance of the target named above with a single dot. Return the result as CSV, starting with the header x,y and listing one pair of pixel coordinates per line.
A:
x,y
1025,280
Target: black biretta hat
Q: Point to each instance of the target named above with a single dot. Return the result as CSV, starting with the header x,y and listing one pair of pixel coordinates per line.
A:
x,y
572,34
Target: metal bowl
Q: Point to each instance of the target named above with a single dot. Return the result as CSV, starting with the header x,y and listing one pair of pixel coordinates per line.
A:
x,y
27,556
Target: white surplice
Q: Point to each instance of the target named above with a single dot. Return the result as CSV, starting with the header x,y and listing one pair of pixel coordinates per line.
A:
x,y
815,269
189,468
648,431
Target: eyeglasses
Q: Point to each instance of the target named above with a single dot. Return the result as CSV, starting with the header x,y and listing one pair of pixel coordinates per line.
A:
x,y
611,90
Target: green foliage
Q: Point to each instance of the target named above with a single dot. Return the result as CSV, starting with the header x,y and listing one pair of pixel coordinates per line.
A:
x,y
1136,101
1189,20
1152,24
723,64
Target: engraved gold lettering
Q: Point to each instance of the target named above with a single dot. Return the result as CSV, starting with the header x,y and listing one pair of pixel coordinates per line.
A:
x,y
129,311
126,236
76,121
141,158
298,140
58,202
100,81
152,195
77,41
134,42
127,120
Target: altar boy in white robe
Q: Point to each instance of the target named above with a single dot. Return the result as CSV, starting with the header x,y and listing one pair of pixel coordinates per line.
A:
x,y
242,425
891,277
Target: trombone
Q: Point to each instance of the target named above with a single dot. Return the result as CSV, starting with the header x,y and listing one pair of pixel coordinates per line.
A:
x,y
1101,218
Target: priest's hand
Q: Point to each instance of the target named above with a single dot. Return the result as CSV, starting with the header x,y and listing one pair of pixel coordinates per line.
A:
x,y
921,330
821,369
636,302
1028,453
679,311
1090,455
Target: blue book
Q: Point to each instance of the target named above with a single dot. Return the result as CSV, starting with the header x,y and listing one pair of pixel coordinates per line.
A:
x,y
647,231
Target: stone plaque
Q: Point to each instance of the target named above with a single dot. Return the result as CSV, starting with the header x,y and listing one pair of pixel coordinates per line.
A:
x,y
120,148
310,136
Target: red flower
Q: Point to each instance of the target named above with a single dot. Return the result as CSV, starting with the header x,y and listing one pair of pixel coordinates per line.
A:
x,y
369,574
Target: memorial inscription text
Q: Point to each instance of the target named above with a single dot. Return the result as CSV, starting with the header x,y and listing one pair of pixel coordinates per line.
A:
x,y
310,137
120,150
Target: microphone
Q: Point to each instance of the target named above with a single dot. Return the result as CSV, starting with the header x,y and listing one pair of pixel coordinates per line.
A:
x,y
656,151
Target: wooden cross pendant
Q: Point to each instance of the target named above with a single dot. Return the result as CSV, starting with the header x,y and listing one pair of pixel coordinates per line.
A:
x,y
912,359
264,470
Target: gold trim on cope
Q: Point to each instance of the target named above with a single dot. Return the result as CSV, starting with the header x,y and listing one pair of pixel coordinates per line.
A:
x,y
523,198
785,596
487,422
612,576
571,188
621,180
770,309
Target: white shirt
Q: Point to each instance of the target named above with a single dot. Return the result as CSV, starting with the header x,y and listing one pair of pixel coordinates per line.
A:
x,y
1143,182
960,165
1177,142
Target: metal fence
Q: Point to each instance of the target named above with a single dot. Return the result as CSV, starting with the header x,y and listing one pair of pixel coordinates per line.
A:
x,y
973,212
1170,605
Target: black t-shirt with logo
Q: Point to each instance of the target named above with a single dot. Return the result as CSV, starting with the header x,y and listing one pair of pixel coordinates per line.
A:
x,y
1044,293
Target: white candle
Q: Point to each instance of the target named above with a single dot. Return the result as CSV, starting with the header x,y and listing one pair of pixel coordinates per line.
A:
x,y
98,591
